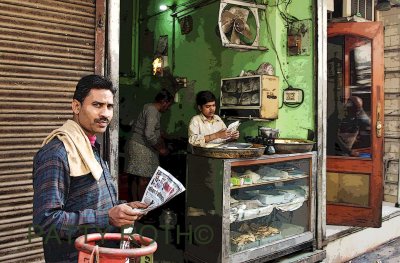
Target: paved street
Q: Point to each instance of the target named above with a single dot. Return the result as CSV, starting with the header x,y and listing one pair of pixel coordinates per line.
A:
x,y
387,253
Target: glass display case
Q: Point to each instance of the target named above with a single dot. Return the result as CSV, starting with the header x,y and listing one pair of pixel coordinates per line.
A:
x,y
254,97
253,209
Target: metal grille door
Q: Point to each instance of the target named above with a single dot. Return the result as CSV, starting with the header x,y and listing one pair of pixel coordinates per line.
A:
x,y
46,46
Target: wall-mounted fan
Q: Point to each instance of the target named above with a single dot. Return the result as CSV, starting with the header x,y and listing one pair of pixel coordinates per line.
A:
x,y
239,24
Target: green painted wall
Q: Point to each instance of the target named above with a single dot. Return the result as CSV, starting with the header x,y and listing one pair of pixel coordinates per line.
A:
x,y
200,57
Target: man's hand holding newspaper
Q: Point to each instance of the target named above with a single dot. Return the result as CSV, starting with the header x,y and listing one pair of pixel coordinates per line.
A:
x,y
161,188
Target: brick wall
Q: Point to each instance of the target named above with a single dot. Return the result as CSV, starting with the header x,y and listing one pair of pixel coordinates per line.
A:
x,y
391,20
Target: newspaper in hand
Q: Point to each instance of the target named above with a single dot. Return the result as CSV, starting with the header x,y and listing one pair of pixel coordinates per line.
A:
x,y
161,188
233,126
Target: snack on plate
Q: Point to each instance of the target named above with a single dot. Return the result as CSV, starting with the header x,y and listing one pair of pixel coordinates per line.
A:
x,y
256,231
243,239
264,231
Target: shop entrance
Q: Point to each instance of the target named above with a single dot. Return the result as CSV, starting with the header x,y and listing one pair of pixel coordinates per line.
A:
x,y
355,124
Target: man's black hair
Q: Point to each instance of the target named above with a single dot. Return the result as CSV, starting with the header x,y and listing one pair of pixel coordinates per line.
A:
x,y
204,97
89,82
163,95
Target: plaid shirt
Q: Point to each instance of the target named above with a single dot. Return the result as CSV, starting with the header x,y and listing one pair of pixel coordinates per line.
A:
x,y
66,207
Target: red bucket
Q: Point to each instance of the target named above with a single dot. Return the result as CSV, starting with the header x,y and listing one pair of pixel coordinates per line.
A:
x,y
89,251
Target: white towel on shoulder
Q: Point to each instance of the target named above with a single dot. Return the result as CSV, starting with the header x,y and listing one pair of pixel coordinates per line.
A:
x,y
81,158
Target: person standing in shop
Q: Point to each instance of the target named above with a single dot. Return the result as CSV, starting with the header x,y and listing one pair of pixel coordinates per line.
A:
x,y
74,193
146,144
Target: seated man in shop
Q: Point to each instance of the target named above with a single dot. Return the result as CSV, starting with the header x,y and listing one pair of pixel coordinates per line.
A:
x,y
207,127
354,129
204,128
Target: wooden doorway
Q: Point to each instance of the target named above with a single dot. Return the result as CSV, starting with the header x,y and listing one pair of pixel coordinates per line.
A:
x,y
355,124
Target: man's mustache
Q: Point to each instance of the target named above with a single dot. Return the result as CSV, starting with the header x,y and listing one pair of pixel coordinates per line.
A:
x,y
102,120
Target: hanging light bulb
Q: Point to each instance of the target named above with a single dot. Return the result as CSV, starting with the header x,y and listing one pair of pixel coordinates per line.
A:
x,y
163,7
383,5
158,65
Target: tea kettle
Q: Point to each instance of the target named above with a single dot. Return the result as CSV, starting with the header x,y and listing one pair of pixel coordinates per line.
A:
x,y
268,135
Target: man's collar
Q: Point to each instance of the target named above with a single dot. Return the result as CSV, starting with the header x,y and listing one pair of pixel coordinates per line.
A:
x,y
96,146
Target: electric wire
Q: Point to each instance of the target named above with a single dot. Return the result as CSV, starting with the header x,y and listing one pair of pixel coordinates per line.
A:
x,y
274,49
290,105
288,18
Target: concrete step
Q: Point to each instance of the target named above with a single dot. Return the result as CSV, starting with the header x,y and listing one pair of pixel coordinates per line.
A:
x,y
346,243
386,253
305,257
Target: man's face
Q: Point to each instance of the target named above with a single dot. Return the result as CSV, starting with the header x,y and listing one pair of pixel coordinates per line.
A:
x,y
352,109
208,109
96,111
165,105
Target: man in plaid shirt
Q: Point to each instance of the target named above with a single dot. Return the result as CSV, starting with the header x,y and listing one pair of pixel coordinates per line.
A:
x,y
67,206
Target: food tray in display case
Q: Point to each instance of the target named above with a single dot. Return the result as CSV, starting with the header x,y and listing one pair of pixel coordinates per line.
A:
x,y
254,97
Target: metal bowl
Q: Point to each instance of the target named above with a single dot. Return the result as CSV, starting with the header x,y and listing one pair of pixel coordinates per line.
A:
x,y
293,145
231,151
